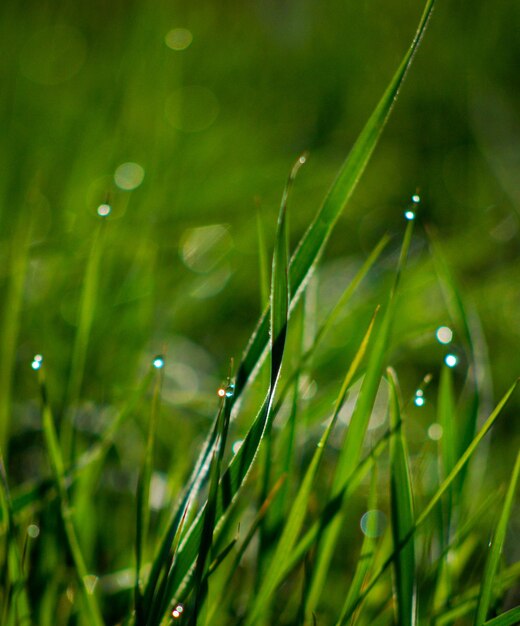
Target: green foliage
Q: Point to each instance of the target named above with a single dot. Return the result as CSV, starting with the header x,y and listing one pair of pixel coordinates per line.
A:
x,y
312,496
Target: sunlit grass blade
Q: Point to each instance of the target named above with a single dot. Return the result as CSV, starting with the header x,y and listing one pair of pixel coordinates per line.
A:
x,y
510,618
443,488
353,443
210,512
90,602
143,490
402,513
495,551
11,305
79,353
366,555
298,511
238,469
263,262
315,239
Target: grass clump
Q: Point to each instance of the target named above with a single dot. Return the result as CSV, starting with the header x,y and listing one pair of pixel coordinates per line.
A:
x,y
294,509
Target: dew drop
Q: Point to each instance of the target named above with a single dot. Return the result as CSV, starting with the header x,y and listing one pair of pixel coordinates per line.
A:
x,y
237,445
416,198
409,215
33,531
444,334
373,523
103,210
177,611
221,392
419,401
451,360
158,362
435,431
37,362
129,176
230,390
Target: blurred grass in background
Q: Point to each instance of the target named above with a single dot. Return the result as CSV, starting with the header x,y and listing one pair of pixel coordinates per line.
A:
x,y
185,118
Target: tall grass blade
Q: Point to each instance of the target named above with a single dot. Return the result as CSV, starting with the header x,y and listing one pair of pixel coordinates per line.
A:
x,y
495,551
238,469
353,443
297,513
402,513
442,489
315,239
92,610
366,555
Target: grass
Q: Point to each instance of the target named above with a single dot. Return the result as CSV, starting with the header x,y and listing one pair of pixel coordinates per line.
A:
x,y
335,508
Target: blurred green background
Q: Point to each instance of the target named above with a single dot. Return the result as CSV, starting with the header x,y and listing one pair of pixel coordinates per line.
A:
x,y
186,118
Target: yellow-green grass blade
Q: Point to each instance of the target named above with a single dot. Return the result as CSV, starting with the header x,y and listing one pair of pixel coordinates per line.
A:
x,y
90,603
298,511
510,618
443,487
315,239
353,443
402,509
495,550
11,317
81,341
366,555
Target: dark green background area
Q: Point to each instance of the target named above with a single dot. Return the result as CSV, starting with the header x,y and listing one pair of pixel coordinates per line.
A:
x,y
85,87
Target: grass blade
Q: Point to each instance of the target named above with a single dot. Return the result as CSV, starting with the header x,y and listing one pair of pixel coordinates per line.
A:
x,y
495,550
91,606
352,446
315,239
366,555
273,576
510,618
402,513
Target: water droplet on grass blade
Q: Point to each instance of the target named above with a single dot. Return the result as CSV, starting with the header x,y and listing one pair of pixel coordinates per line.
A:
x,y
451,360
419,401
158,362
178,38
444,334
33,531
416,198
129,176
373,523
177,611
435,431
37,362
409,215
103,210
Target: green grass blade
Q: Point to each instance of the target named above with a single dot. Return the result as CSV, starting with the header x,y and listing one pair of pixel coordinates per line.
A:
x,y
143,491
495,550
92,610
366,555
402,513
315,239
444,486
79,352
239,467
353,443
510,618
263,262
273,575
12,305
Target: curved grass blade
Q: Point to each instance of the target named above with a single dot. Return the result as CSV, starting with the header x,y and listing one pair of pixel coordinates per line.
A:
x,y
444,486
366,555
238,469
402,513
91,606
298,511
315,239
495,550
510,618
353,443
